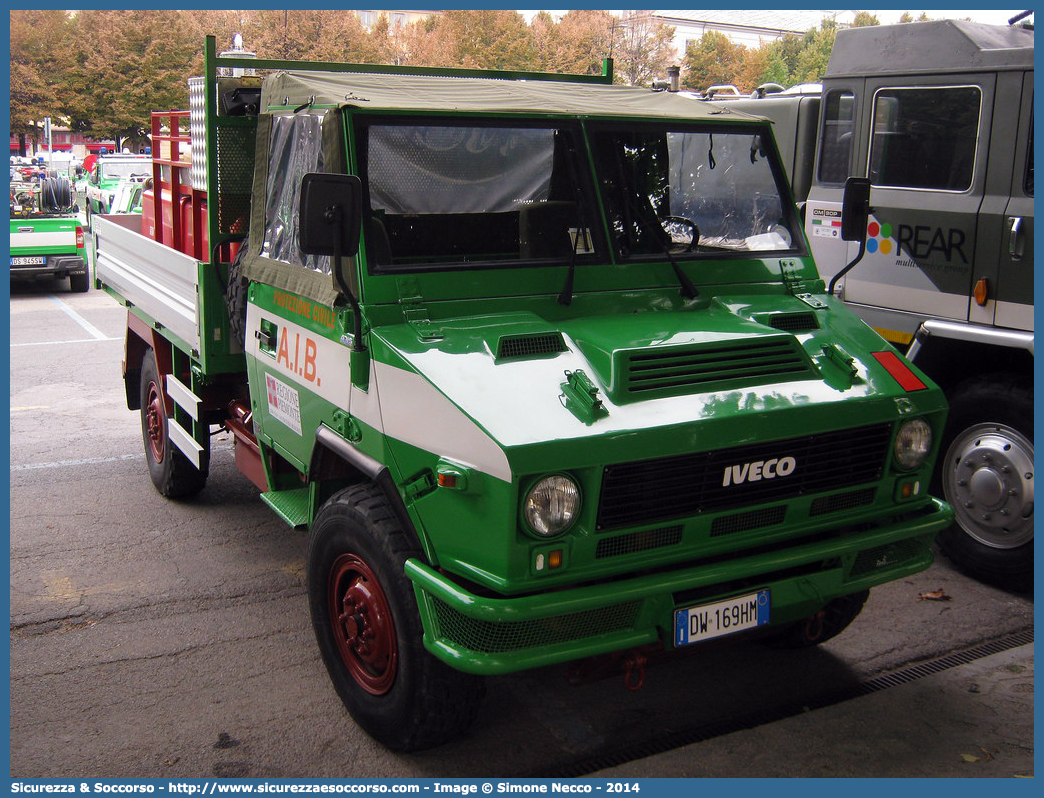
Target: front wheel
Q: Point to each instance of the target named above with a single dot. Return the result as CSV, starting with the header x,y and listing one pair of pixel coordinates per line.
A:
x,y
986,473
369,630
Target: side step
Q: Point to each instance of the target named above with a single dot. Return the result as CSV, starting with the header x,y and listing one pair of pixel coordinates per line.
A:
x,y
179,436
290,505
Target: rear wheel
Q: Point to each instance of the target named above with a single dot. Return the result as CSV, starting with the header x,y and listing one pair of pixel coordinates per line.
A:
x,y
986,473
172,473
369,630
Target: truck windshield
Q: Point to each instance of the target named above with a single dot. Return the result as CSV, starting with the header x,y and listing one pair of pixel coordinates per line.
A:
x,y
124,169
690,192
447,195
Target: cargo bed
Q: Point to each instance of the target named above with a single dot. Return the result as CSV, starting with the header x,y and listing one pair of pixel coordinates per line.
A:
x,y
161,282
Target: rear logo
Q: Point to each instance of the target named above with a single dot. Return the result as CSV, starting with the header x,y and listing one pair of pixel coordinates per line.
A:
x,y
879,238
758,470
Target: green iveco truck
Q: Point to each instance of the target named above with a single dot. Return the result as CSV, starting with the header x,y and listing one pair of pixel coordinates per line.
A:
x,y
543,364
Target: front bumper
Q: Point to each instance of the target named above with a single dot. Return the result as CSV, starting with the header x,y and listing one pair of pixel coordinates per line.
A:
x,y
486,635
56,266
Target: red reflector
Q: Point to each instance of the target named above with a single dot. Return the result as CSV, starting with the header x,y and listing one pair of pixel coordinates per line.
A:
x,y
447,480
900,371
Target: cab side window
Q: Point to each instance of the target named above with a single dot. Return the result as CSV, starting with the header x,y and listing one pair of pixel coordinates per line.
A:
x,y
295,149
836,145
925,138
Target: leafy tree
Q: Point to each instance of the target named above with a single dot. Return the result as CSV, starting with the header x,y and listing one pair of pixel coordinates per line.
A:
x,y
127,63
585,39
642,48
753,69
315,35
864,19
712,60
488,39
815,53
39,58
418,44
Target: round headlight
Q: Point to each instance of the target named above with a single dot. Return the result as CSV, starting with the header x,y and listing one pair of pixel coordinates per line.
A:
x,y
913,443
551,506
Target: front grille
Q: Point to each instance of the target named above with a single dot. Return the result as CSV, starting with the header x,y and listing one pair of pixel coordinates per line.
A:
x,y
683,368
648,491
530,345
634,542
842,501
745,522
495,637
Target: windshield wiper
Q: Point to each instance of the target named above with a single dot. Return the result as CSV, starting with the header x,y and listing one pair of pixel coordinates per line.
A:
x,y
688,290
565,296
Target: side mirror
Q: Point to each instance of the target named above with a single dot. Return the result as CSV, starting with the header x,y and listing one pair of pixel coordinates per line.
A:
x,y
855,210
330,212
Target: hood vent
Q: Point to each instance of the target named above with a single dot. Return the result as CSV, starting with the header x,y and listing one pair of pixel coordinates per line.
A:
x,y
793,322
523,346
684,369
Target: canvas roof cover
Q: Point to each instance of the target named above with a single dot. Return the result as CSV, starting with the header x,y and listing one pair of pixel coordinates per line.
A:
x,y
470,95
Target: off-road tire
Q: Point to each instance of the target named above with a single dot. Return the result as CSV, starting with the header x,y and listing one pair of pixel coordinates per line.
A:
x,y
829,622
985,471
236,297
398,692
173,474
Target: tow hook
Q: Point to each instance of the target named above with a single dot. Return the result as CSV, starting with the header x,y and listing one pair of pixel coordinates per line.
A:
x,y
634,670
814,627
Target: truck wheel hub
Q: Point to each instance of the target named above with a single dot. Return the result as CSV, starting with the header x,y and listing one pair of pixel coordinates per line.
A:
x,y
989,481
363,627
154,416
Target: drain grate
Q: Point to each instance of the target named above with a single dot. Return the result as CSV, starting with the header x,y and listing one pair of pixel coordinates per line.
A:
x,y
750,721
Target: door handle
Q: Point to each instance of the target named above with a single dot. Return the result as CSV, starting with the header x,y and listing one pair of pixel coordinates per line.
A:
x,y
1015,238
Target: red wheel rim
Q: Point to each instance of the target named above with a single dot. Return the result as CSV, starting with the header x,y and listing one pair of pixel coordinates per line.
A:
x,y
362,624
155,422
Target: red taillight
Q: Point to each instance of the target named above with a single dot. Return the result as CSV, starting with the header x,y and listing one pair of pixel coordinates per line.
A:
x,y
900,371
79,237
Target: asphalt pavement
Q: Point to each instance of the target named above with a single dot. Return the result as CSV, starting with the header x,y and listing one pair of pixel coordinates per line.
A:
x,y
970,721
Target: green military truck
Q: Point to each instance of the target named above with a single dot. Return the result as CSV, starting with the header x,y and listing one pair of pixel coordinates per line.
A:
x,y
543,364
47,240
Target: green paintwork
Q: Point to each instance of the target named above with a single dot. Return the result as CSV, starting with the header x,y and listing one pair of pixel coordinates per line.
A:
x,y
792,598
629,370
290,505
26,241
59,238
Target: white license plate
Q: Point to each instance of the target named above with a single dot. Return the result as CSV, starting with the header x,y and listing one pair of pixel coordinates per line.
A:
x,y
707,621
29,260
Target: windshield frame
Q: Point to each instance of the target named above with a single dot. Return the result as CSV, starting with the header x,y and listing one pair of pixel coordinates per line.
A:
x,y
596,130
